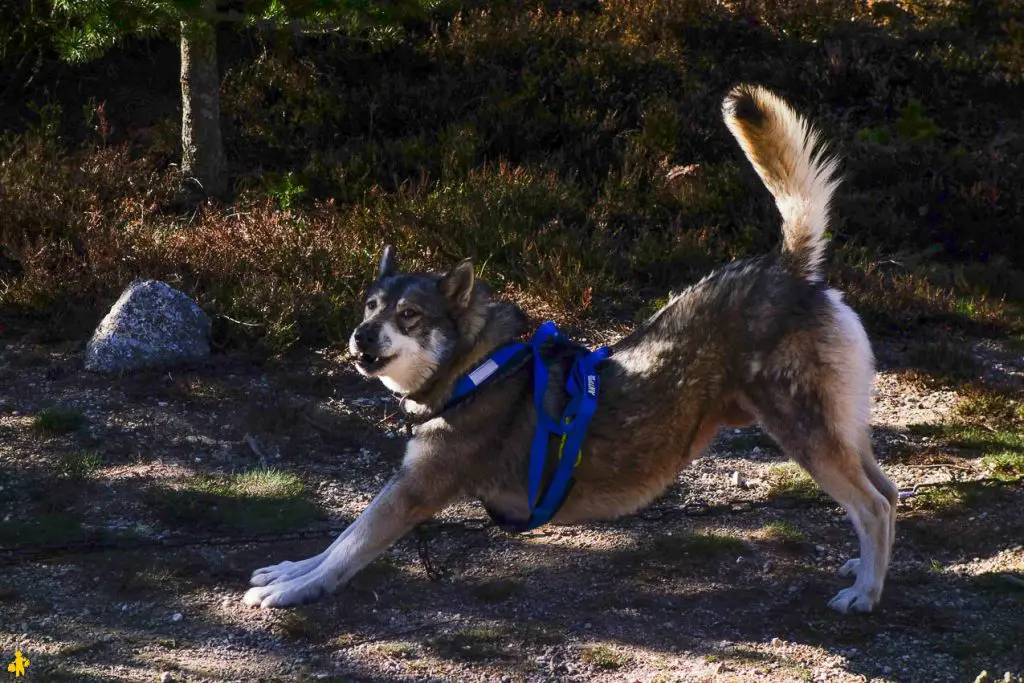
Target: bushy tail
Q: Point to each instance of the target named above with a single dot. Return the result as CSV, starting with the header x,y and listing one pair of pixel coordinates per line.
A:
x,y
785,151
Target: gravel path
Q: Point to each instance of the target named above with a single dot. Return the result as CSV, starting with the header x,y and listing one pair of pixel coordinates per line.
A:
x,y
662,596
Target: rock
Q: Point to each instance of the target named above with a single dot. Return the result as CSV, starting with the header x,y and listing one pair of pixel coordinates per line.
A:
x,y
737,480
177,616
151,324
166,677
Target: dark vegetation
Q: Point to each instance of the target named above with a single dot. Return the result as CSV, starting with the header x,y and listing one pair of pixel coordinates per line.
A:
x,y
575,150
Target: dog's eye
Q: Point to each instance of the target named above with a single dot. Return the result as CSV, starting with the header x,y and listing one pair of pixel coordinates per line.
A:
x,y
371,306
409,314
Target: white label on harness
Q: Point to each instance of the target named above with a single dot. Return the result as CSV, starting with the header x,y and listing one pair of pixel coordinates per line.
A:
x,y
483,372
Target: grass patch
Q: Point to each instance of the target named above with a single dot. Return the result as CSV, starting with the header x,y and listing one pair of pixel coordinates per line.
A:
x,y
605,657
973,439
667,549
710,543
259,500
1005,466
80,648
996,409
51,529
1006,583
296,624
58,421
497,591
948,361
398,650
473,643
988,424
947,498
789,480
784,532
79,464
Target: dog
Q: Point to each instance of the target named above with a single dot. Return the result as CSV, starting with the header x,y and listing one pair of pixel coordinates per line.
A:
x,y
763,340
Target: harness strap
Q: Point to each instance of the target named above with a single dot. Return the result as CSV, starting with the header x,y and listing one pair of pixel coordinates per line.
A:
x,y
582,386
507,355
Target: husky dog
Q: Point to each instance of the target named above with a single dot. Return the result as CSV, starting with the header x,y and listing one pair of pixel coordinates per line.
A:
x,y
763,340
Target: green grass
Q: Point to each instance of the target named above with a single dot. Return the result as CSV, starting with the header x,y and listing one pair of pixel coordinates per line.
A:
x,y
51,529
948,498
58,420
971,439
1005,466
397,650
667,549
296,624
259,500
784,532
79,465
946,360
497,591
989,424
789,480
472,643
605,657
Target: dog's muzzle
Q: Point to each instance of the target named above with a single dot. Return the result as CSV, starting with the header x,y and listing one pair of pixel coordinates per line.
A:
x,y
365,348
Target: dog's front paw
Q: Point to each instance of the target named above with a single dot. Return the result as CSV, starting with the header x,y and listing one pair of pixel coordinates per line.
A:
x,y
853,599
285,571
851,568
305,589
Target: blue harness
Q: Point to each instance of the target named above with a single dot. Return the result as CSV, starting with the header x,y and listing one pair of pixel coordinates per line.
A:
x,y
582,387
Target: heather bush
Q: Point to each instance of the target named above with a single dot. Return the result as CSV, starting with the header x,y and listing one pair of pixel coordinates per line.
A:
x,y
574,150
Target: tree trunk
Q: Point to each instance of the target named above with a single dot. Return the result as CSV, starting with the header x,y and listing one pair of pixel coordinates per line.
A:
x,y
203,161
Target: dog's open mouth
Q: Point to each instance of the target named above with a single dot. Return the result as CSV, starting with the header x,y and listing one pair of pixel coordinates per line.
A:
x,y
369,363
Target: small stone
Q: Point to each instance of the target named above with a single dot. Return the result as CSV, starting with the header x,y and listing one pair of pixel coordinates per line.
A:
x,y
177,616
737,480
769,566
166,677
777,642
982,677
739,560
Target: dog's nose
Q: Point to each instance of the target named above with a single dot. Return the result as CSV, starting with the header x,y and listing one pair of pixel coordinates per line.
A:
x,y
366,337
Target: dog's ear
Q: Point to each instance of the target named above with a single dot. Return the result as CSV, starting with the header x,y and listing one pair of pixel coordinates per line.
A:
x,y
457,284
388,262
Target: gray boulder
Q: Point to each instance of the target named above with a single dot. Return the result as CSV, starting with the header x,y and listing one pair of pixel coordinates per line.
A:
x,y
151,325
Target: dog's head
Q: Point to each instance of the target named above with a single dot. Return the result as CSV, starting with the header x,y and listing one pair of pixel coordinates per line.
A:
x,y
410,328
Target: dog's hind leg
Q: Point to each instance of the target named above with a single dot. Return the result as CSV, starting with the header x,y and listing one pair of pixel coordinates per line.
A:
x,y
839,467
423,486
815,402
891,493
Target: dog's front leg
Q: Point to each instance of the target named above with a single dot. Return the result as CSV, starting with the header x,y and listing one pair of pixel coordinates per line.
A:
x,y
421,488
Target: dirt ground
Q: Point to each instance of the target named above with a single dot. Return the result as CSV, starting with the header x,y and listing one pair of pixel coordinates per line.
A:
x,y
662,596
